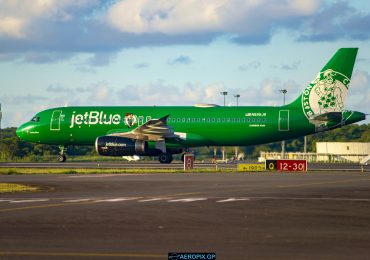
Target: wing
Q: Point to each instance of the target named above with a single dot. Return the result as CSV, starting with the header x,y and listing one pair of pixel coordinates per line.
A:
x,y
153,130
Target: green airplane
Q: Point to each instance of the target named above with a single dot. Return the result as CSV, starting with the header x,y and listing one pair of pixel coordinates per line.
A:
x,y
164,131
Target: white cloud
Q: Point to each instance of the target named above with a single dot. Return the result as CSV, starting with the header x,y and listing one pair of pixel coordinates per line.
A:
x,y
194,16
360,82
17,15
11,27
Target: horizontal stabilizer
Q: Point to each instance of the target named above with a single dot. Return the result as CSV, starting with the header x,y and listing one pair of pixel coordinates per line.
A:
x,y
328,117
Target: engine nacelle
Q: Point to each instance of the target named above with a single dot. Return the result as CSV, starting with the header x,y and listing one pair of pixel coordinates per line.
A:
x,y
120,146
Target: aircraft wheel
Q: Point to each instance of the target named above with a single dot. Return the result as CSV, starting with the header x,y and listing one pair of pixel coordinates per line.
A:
x,y
165,158
62,158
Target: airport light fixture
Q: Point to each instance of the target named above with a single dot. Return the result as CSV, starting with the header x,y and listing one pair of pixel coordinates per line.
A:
x,y
284,91
237,99
224,93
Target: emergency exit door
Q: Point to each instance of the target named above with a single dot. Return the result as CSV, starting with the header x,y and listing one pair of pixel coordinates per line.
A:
x,y
284,120
55,120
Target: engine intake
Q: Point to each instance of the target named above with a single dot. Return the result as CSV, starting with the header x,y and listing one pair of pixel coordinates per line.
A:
x,y
120,146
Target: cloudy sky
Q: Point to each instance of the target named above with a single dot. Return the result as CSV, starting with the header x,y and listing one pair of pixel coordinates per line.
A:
x,y
173,52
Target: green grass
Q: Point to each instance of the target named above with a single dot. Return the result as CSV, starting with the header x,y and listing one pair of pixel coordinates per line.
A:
x,y
12,187
11,171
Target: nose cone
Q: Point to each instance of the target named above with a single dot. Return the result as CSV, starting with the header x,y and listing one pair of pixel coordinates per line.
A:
x,y
20,132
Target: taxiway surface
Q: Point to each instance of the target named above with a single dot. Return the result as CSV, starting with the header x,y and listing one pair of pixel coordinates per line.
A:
x,y
317,215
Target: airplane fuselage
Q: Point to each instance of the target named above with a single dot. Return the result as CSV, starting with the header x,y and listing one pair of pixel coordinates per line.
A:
x,y
210,126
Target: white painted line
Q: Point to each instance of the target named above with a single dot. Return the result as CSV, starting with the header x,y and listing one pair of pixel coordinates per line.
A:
x,y
233,199
116,199
303,198
77,200
105,175
188,200
28,201
154,199
5,200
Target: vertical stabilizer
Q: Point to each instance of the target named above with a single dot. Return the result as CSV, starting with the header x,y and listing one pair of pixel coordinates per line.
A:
x,y
328,91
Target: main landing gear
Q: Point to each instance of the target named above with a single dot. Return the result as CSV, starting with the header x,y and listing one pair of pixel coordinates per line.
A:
x,y
62,156
165,158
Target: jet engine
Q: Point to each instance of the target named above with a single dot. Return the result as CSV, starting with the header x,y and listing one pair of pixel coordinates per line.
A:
x,y
121,146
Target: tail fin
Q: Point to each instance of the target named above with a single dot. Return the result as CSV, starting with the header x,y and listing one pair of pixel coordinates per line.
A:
x,y
328,91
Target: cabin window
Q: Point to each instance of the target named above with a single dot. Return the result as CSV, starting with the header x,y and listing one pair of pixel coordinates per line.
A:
x,y
228,120
203,120
189,120
183,119
263,120
218,120
258,120
253,120
243,120
248,119
179,120
213,120
148,118
198,120
193,120
208,120
223,120
238,120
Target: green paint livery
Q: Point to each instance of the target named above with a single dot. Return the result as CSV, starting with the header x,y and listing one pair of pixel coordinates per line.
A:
x,y
164,131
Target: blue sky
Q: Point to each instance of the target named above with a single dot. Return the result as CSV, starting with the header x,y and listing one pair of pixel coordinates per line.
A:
x,y
172,52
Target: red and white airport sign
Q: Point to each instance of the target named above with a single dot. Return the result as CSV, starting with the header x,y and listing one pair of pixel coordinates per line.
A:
x,y
287,165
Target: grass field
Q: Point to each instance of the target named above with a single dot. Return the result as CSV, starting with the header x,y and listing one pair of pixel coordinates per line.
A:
x,y
13,171
12,187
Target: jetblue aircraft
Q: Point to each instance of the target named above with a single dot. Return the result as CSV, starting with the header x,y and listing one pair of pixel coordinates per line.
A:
x,y
164,131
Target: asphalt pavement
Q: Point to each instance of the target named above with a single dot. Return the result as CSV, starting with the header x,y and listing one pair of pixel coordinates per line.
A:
x,y
316,215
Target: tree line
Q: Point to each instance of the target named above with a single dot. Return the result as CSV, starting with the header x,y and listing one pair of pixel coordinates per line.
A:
x,y
12,148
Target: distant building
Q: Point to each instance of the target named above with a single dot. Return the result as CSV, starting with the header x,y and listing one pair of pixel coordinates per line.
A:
x,y
340,152
344,151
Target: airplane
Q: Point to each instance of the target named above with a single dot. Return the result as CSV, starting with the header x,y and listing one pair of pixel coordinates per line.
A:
x,y
166,130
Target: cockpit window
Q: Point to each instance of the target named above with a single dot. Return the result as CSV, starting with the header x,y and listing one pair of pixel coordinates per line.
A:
x,y
35,119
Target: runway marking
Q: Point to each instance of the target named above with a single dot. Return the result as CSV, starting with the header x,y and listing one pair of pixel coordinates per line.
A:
x,y
28,200
321,198
105,175
45,206
153,199
321,183
233,199
188,200
117,199
178,194
77,200
80,254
